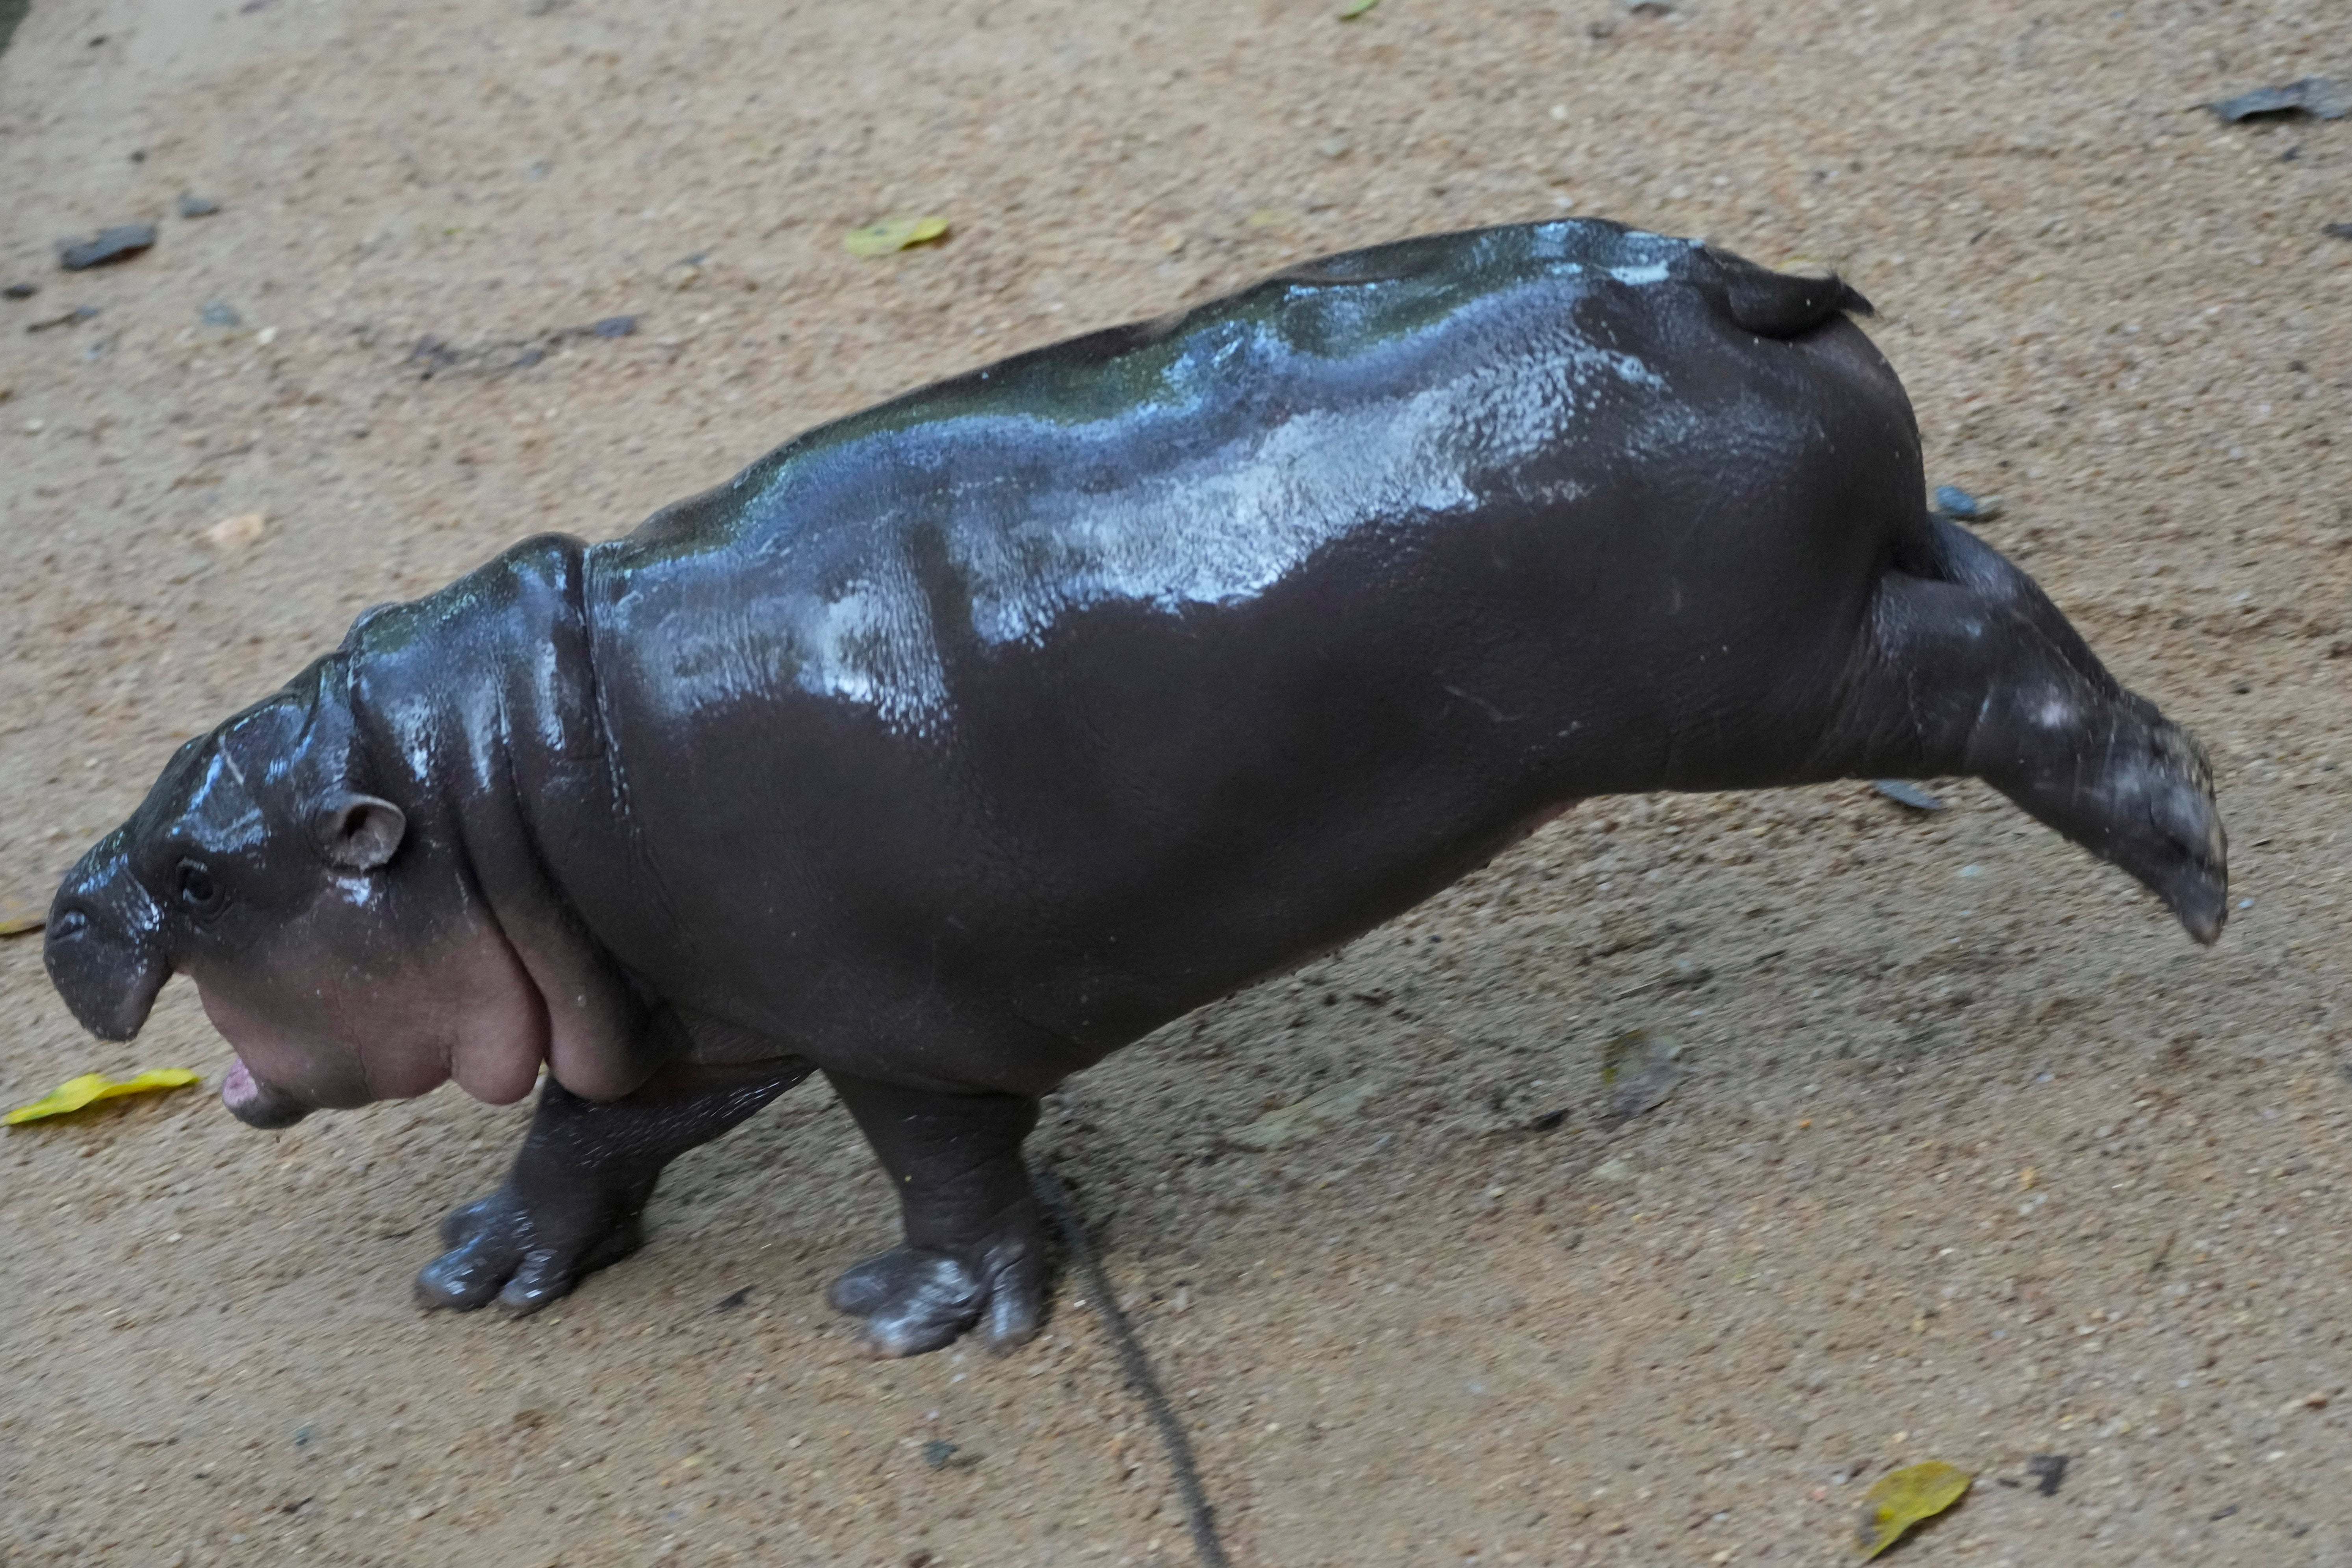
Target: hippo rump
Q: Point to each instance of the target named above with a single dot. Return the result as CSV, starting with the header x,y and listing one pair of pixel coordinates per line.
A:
x,y
952,746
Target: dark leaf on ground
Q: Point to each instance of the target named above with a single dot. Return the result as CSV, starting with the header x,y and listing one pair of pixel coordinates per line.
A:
x,y
20,290
939,1454
2049,1471
495,356
115,243
1904,793
1639,1071
2320,97
732,1300
2338,231
73,317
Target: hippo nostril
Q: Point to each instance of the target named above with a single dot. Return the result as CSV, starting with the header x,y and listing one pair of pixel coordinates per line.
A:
x,y
68,925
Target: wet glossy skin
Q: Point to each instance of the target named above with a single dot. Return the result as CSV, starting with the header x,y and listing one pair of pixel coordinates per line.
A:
x,y
954,745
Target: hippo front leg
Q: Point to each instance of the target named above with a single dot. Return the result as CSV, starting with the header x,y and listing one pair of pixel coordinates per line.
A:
x,y
572,1203
974,1257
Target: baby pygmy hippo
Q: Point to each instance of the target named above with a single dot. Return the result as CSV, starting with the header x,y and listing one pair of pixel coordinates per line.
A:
x,y
952,746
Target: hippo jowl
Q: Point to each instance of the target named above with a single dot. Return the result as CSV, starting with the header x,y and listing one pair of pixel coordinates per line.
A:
x,y
954,745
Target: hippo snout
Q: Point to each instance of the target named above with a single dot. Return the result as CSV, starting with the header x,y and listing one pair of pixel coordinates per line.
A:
x,y
107,976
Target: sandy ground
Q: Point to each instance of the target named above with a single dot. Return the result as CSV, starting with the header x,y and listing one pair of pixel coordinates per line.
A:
x,y
1977,1157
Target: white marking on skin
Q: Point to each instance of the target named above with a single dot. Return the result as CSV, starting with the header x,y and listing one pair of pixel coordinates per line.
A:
x,y
1649,273
222,818
1224,527
874,646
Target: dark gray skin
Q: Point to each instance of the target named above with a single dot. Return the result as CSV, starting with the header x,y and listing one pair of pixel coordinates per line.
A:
x,y
957,744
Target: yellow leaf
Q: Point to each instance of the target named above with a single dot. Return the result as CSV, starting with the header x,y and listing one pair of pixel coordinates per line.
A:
x,y
1905,1497
1355,8
886,234
22,925
91,1087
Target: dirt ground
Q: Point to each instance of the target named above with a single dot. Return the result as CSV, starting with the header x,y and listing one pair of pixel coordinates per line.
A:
x,y
1976,1157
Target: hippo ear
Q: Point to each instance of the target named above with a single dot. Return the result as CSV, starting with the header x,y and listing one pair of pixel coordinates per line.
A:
x,y
359,832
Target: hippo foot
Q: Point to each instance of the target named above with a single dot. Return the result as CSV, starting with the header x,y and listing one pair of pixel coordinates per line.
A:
x,y
913,1299
498,1251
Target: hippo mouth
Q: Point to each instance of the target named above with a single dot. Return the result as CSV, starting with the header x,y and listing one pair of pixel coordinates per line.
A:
x,y
256,1104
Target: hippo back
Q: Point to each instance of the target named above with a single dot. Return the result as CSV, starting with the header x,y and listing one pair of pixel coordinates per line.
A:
x,y
1269,617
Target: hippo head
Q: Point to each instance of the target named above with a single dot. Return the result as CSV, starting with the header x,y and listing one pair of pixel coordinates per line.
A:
x,y
336,943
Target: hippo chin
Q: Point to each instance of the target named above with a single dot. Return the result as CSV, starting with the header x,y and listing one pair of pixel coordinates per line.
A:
x,y
952,746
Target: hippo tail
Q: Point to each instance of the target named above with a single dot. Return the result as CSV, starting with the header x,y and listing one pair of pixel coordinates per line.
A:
x,y
1780,304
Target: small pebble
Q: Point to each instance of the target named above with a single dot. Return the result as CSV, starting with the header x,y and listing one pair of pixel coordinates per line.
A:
x,y
614,327
117,244
238,531
1961,506
220,313
193,206
20,292
1686,973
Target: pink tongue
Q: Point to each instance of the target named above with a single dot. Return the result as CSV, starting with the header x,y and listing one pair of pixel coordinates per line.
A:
x,y
238,1088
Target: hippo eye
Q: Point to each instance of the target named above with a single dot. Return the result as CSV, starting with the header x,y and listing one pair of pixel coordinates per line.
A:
x,y
195,887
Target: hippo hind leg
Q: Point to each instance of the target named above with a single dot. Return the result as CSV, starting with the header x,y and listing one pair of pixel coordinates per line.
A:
x,y
1967,668
974,1255
573,1202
